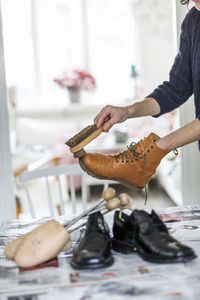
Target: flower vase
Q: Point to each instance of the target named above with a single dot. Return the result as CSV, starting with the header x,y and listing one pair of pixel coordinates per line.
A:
x,y
74,94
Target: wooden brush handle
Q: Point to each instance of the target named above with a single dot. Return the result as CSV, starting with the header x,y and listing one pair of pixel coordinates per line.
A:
x,y
87,140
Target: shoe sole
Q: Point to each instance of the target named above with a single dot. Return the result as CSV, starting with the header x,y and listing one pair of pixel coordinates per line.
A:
x,y
126,248
89,172
108,263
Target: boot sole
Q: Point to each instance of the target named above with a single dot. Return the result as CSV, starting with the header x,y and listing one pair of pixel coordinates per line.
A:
x,y
94,175
126,248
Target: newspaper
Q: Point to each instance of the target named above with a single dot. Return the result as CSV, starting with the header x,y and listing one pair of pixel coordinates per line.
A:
x,y
130,276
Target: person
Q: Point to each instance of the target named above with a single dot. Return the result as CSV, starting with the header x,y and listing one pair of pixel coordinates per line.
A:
x,y
138,163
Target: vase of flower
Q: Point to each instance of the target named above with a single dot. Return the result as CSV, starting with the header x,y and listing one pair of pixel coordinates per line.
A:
x,y
75,81
74,94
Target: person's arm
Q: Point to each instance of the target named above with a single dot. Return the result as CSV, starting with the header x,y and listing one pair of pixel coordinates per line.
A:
x,y
165,98
181,137
147,107
111,115
174,92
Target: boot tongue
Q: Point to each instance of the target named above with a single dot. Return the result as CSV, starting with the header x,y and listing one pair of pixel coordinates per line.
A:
x,y
158,221
95,222
147,142
142,220
155,216
147,222
140,216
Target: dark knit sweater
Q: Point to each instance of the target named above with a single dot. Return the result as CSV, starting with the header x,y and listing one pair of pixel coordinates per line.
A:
x,y
184,77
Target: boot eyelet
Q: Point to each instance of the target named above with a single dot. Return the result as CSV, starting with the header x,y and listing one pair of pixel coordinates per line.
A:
x,y
148,150
152,146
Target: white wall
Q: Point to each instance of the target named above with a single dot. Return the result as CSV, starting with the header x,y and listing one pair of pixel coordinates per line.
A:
x,y
155,44
7,204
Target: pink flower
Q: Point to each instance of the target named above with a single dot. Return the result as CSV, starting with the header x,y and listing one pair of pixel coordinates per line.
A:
x,y
77,79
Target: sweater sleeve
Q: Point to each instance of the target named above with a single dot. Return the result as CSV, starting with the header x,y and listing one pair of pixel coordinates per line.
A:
x,y
171,94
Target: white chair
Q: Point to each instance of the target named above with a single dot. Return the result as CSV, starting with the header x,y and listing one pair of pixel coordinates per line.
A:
x,y
62,178
58,176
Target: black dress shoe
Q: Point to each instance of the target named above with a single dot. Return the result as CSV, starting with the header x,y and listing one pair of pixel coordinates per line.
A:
x,y
147,235
93,249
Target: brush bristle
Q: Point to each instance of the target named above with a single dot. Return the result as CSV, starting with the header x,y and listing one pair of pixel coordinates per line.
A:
x,y
79,153
76,139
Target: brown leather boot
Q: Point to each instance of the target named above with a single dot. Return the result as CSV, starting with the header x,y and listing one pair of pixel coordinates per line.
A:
x,y
133,167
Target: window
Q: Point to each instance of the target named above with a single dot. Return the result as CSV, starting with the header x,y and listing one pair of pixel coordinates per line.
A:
x,y
18,45
44,38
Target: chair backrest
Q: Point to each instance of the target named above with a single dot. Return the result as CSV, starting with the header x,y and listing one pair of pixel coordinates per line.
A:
x,y
65,180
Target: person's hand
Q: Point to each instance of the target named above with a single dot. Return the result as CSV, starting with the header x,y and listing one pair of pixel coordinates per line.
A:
x,y
111,115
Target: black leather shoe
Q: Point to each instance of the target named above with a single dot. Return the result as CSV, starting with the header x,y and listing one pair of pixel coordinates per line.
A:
x,y
93,249
147,235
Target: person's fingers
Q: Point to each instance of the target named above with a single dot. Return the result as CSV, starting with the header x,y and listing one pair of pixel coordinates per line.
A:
x,y
102,117
109,116
97,117
103,120
109,124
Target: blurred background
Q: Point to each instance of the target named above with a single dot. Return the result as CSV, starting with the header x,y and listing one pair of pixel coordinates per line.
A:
x,y
66,59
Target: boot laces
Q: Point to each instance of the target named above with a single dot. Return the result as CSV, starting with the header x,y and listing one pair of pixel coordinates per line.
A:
x,y
130,154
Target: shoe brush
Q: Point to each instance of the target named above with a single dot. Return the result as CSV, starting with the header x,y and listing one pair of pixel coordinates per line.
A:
x,y
47,240
81,139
